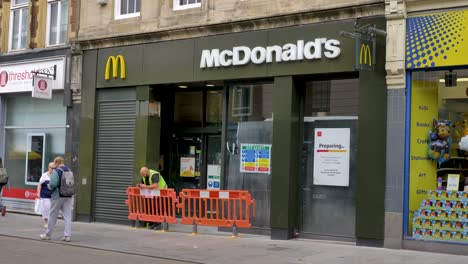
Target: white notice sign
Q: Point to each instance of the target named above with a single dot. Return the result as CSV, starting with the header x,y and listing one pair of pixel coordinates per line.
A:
x,y
42,87
331,156
453,181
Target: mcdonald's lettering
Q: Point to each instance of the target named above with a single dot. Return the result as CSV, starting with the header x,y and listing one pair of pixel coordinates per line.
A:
x,y
365,56
114,63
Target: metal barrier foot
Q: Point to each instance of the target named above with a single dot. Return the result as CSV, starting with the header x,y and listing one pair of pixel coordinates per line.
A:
x,y
235,233
137,223
165,227
194,229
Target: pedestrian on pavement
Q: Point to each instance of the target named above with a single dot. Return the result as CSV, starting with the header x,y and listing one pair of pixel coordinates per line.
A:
x,y
44,193
152,179
63,185
3,182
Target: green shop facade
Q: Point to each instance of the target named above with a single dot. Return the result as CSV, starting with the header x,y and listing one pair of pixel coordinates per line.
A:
x,y
281,113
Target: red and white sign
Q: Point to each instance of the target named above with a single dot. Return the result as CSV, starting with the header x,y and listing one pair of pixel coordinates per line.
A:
x,y
18,77
19,193
42,87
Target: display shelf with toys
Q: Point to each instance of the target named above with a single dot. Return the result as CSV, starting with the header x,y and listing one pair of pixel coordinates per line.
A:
x,y
443,216
451,157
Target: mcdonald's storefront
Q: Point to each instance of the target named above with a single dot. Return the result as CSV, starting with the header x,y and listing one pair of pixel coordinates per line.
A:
x,y
200,110
436,178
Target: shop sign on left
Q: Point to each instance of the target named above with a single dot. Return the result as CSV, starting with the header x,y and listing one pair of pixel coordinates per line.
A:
x,y
42,87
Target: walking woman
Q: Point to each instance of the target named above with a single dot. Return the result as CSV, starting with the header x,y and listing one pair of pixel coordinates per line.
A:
x,y
44,193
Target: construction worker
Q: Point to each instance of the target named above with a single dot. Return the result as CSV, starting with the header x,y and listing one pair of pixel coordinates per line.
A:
x,y
151,179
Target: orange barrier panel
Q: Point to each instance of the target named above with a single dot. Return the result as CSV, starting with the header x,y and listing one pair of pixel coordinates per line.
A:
x,y
224,208
152,205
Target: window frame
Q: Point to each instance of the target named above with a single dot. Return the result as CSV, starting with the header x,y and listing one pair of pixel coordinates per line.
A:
x,y
21,7
118,15
59,15
29,137
178,7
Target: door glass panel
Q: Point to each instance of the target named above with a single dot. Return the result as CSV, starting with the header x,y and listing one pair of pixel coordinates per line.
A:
x,y
214,111
213,161
185,167
188,107
329,210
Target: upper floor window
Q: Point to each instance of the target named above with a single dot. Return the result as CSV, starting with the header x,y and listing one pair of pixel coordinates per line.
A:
x,y
57,22
186,4
18,24
127,8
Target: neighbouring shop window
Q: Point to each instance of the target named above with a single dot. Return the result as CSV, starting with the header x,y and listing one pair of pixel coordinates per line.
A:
x,y
438,156
186,4
34,135
18,24
250,125
57,21
127,8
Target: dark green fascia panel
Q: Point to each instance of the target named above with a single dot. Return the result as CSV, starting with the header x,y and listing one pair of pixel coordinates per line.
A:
x,y
370,194
147,134
179,61
285,157
165,62
84,197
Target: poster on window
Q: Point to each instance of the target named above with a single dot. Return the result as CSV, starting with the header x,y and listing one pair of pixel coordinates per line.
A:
x,y
331,156
255,158
187,167
214,177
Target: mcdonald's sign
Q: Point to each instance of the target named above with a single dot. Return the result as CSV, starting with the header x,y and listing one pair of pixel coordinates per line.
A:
x,y
365,55
114,63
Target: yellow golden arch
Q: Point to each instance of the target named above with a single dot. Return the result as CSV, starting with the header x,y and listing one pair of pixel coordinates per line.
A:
x,y
365,56
114,62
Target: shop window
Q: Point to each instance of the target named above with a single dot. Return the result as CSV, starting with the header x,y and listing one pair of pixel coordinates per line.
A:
x,y
188,108
18,24
242,101
248,144
332,98
35,152
34,135
438,156
127,8
214,112
251,102
186,4
57,21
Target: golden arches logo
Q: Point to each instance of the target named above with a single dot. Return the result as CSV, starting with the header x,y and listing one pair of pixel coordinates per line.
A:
x,y
365,55
114,63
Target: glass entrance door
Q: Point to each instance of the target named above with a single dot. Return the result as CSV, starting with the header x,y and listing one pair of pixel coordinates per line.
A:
x,y
196,161
328,211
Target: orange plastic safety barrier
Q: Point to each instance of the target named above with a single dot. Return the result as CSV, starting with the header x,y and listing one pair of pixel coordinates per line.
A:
x,y
224,208
152,204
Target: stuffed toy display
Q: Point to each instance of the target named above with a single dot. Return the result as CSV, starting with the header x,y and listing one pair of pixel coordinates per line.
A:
x,y
463,145
439,141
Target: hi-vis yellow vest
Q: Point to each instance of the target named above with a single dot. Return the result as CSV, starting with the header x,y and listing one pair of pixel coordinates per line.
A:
x,y
161,185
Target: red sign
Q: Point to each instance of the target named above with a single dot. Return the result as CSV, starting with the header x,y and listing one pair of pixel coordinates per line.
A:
x,y
42,85
319,133
19,193
3,78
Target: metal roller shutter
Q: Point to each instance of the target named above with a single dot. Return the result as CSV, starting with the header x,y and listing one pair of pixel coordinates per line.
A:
x,y
114,159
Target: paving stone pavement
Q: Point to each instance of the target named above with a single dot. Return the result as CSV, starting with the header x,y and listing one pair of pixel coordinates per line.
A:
x,y
212,247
